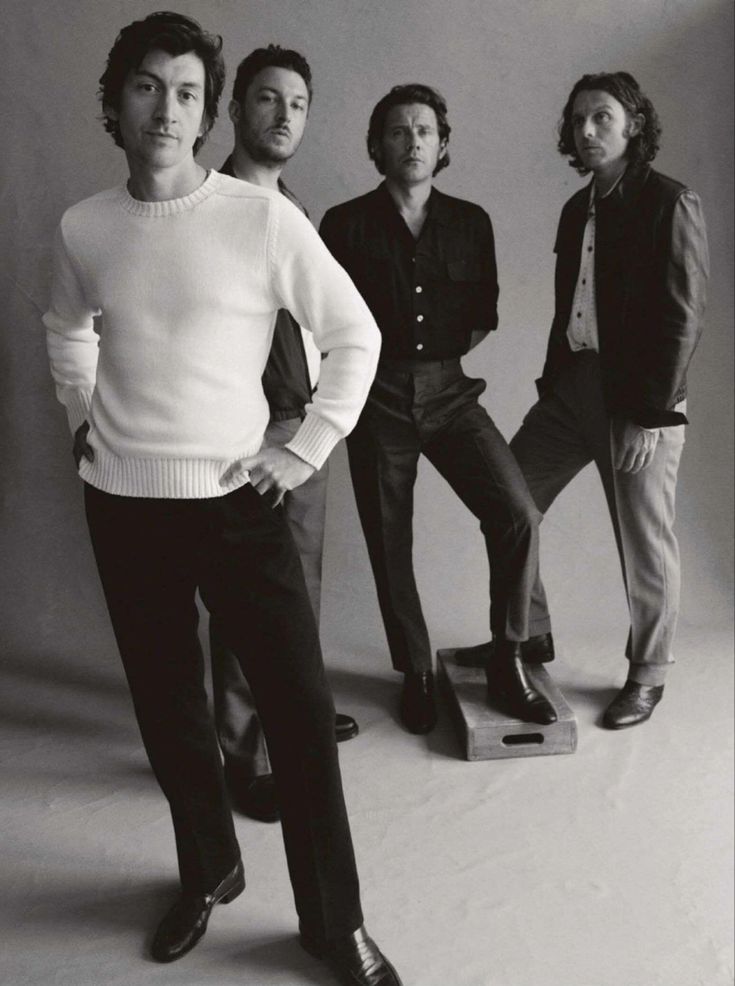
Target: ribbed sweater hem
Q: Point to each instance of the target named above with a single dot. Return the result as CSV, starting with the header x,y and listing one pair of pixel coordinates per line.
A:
x,y
163,479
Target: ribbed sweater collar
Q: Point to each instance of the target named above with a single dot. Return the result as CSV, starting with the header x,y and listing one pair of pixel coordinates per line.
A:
x,y
170,207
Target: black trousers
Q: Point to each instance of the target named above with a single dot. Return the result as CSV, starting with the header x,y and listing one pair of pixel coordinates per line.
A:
x,y
432,408
152,555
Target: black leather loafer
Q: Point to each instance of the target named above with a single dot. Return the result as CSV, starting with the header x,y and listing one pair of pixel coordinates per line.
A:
x,y
418,706
508,684
634,703
535,650
345,727
187,920
355,959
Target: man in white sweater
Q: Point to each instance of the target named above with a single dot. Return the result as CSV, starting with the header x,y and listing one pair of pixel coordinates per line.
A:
x,y
187,270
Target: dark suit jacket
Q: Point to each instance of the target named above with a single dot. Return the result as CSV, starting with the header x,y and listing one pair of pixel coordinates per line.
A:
x,y
651,269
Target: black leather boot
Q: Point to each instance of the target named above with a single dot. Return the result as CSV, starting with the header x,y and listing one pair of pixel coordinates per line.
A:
x,y
535,650
507,683
634,703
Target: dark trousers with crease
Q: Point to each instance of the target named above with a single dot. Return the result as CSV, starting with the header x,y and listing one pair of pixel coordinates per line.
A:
x,y
152,556
432,408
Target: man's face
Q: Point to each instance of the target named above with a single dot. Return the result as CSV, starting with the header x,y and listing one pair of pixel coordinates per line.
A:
x,y
602,129
161,110
269,123
410,147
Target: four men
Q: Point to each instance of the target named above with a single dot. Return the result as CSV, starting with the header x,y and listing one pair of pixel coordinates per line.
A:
x,y
193,460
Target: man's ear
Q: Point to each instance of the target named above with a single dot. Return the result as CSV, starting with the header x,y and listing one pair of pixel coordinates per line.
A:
x,y
636,122
443,149
233,109
376,154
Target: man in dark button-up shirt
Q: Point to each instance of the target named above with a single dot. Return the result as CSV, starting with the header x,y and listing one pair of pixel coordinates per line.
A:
x,y
425,264
631,274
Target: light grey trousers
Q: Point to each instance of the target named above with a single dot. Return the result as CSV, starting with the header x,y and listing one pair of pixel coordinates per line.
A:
x,y
238,727
560,435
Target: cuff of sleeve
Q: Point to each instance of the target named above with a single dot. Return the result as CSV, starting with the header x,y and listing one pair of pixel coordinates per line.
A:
x,y
314,440
651,419
77,404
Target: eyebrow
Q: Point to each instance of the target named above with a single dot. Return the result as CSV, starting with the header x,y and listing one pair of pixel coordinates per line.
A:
x,y
276,92
157,78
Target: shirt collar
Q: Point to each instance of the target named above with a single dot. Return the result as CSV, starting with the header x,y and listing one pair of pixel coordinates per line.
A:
x,y
438,208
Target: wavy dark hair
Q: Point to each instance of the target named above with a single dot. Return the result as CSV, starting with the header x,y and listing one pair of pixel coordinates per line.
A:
x,y
643,146
175,34
271,57
413,92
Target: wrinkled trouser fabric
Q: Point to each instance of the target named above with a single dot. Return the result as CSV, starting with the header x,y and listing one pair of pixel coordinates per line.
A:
x,y
431,408
238,727
152,556
561,434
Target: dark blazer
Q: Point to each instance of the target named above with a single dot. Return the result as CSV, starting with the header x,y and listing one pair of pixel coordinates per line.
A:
x,y
651,269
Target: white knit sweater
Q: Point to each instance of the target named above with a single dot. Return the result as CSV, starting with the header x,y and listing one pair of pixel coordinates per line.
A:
x,y
188,291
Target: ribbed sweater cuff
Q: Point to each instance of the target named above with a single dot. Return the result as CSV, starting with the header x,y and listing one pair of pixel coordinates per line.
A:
x,y
314,440
77,407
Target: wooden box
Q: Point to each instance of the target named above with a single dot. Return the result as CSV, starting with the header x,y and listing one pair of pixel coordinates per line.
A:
x,y
488,733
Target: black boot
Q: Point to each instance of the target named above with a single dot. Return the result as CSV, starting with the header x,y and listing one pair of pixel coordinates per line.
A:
x,y
535,650
507,682
633,704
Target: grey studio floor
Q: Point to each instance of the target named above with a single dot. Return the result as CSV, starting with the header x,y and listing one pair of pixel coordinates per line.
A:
x,y
611,866
608,867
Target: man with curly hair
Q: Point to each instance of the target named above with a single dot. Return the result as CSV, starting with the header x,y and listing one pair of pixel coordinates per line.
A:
x,y
425,263
631,273
187,270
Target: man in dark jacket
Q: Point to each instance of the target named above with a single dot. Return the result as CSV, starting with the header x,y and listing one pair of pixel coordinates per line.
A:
x,y
425,264
270,104
631,274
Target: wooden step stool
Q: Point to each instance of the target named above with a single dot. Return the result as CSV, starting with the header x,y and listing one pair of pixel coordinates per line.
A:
x,y
487,733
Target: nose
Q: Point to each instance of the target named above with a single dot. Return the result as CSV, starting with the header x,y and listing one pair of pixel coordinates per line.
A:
x,y
588,128
166,107
283,112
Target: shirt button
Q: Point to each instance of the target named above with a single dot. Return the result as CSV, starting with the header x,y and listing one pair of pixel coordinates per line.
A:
x,y
584,280
579,314
419,318
589,249
419,289
419,345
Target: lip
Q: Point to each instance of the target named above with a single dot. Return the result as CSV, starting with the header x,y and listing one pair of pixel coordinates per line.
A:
x,y
159,133
280,132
